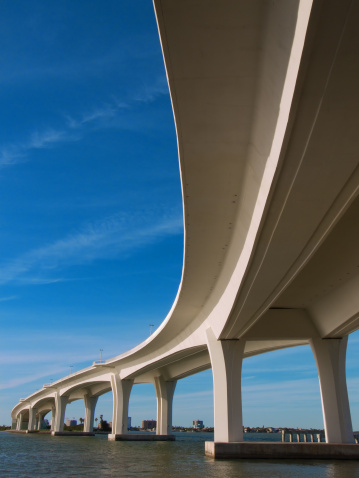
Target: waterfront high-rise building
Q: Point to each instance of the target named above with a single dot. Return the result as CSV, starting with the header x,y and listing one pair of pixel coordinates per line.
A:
x,y
198,424
149,424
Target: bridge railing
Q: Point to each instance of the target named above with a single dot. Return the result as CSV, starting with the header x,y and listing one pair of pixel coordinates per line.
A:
x,y
307,436
99,362
303,436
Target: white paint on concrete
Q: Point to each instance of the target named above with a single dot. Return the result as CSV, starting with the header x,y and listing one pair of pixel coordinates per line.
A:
x,y
121,390
330,359
164,392
226,358
90,406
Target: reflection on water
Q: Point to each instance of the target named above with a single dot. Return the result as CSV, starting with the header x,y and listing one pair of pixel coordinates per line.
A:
x,y
42,455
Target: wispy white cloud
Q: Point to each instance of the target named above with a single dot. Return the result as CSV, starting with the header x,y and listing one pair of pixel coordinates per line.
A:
x,y
44,355
5,299
277,393
44,139
13,154
8,158
97,116
77,125
51,356
150,93
354,338
353,389
100,117
32,377
193,395
291,368
303,385
107,238
268,394
42,280
281,354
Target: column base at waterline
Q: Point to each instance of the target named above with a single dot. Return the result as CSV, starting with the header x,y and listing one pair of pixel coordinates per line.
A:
x,y
41,432
72,434
140,437
30,431
315,451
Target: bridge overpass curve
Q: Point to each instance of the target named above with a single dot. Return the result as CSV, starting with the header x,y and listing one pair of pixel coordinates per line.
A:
x,y
265,101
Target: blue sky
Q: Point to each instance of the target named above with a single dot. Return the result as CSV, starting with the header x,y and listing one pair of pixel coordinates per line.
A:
x,y
92,238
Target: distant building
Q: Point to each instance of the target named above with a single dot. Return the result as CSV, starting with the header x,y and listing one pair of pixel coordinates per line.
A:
x,y
149,424
198,424
71,423
104,426
129,422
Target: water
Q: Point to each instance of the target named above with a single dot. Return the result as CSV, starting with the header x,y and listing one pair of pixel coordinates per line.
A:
x,y
36,456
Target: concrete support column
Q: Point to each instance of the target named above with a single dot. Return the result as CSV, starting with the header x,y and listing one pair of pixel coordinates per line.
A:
x,y
90,405
164,392
32,419
330,357
19,421
121,390
60,406
226,359
53,416
40,419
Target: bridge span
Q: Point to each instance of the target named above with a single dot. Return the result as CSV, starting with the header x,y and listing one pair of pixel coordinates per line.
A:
x,y
266,106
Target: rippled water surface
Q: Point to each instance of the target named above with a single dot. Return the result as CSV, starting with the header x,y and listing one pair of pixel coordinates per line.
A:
x,y
42,455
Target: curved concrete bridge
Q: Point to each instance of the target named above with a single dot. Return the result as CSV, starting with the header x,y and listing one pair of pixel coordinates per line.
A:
x,y
266,105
